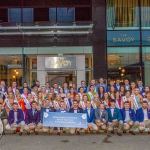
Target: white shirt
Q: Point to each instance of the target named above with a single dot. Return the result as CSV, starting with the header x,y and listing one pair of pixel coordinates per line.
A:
x,y
89,111
75,111
145,114
112,111
127,116
15,117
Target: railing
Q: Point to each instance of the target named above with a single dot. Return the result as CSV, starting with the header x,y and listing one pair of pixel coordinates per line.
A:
x,y
46,28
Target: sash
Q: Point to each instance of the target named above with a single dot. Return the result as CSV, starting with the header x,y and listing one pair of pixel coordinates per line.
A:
x,y
80,96
67,103
26,101
93,104
135,102
91,96
34,96
8,103
117,104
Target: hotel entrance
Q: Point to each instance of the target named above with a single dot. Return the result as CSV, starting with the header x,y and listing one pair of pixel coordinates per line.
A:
x,y
67,68
61,77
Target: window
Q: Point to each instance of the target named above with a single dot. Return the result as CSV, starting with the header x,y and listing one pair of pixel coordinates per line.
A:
x,y
146,62
61,15
14,15
122,13
123,63
27,15
145,10
11,68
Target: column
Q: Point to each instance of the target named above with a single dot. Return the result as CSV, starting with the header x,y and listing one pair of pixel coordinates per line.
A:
x,y
80,65
41,72
99,38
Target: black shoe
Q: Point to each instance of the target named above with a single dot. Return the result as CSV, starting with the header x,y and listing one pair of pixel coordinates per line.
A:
x,y
119,134
20,133
78,133
133,133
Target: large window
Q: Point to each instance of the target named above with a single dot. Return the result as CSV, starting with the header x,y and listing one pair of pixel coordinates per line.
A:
x,y
18,15
122,14
11,68
62,15
123,63
146,61
145,13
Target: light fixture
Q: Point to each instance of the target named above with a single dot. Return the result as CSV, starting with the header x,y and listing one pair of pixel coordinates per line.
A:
x,y
14,77
122,74
17,73
123,70
119,68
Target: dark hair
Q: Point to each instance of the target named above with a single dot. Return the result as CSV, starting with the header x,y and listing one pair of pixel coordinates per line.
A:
x,y
126,102
15,103
145,102
34,102
75,101
112,101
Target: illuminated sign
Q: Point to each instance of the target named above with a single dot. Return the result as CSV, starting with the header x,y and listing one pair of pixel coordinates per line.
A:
x,y
123,38
68,62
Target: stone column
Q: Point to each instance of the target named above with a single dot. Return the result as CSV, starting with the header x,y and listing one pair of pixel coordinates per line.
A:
x,y
41,73
80,64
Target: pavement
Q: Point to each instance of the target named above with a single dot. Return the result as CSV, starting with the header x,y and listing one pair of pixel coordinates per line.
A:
x,y
80,142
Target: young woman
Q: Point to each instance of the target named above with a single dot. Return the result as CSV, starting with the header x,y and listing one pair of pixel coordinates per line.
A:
x,y
101,92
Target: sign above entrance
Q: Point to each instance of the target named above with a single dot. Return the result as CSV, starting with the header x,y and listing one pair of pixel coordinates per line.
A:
x,y
68,62
123,38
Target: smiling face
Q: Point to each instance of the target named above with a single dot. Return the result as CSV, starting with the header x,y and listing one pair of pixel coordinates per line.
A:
x,y
101,106
75,104
15,107
127,106
145,105
112,104
88,104
62,105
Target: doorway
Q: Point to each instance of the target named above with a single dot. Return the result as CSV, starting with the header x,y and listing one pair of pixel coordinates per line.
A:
x,y
61,77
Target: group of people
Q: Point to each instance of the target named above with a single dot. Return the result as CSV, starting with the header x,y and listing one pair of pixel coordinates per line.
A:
x,y
110,107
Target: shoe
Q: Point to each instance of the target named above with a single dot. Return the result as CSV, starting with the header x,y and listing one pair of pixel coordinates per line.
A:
x,y
133,133
78,133
58,133
20,133
119,134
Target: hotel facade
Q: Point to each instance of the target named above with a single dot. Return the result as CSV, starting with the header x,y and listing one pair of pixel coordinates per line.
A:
x,y
70,40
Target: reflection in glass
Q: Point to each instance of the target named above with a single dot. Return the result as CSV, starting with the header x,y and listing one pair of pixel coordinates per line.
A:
x,y
123,63
11,69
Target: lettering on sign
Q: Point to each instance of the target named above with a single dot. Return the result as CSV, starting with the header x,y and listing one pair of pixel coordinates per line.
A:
x,y
124,38
60,62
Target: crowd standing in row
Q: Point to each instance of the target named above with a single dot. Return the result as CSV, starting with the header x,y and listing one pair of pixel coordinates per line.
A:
x,y
116,106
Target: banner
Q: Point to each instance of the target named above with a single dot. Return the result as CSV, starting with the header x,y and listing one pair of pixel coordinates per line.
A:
x,y
67,120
